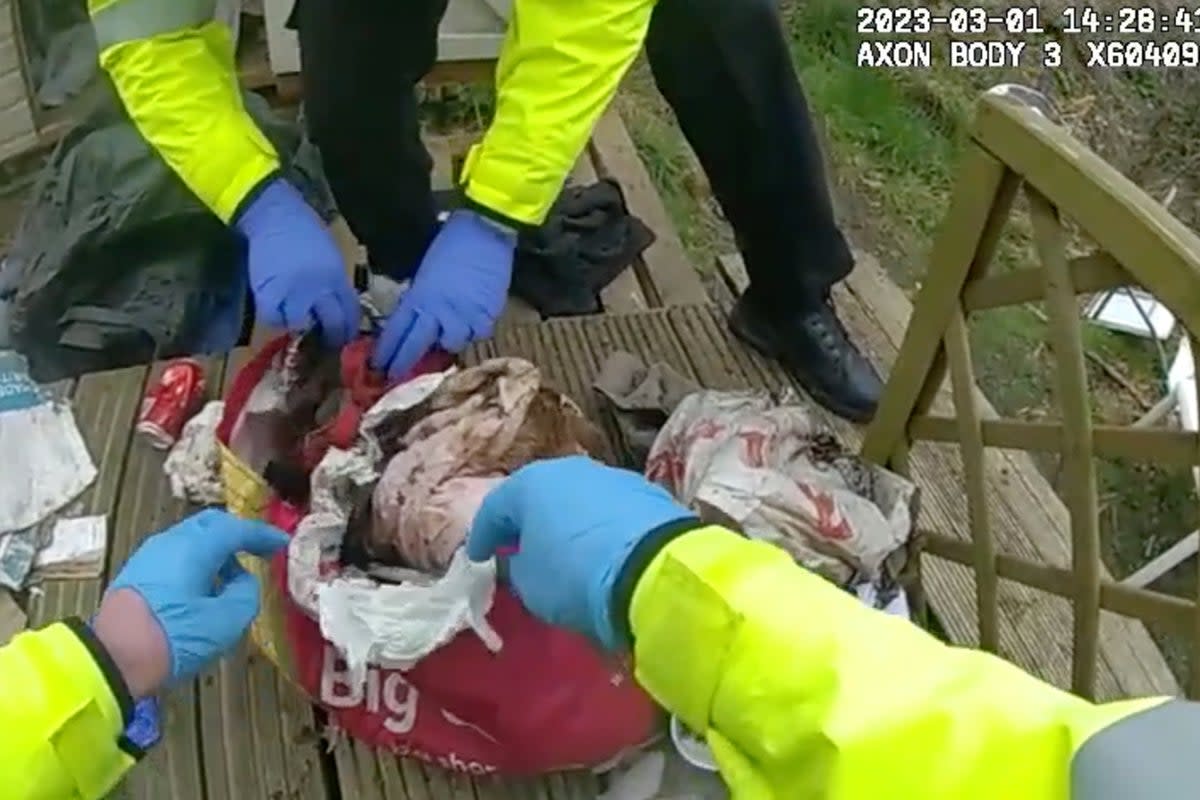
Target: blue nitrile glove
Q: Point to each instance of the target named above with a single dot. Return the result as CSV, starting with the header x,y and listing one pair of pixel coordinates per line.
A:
x,y
194,588
457,294
296,271
574,522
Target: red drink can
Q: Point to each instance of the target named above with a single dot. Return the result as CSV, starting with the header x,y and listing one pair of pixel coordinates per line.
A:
x,y
171,401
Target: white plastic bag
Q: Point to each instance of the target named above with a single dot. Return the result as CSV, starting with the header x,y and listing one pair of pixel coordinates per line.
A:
x,y
396,625
368,621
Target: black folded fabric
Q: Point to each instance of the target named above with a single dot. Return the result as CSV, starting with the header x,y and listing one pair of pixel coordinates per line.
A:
x,y
588,238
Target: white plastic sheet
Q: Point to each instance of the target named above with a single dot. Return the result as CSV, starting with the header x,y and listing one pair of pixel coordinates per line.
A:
x,y
368,621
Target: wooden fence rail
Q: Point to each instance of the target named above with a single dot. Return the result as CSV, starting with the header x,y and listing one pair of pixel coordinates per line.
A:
x,y
1013,148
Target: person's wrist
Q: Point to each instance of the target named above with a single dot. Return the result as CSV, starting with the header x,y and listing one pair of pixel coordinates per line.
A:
x,y
619,592
134,640
494,224
263,197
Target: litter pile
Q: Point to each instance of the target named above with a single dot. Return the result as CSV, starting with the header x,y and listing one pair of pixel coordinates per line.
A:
x,y
762,465
37,536
379,483
375,603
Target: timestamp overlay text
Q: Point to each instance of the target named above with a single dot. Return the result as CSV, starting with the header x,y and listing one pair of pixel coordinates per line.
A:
x,y
978,37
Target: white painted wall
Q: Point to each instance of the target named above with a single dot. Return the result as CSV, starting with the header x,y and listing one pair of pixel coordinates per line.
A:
x,y
471,30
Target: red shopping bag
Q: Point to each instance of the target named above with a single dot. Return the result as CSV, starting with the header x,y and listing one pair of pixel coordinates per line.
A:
x,y
548,700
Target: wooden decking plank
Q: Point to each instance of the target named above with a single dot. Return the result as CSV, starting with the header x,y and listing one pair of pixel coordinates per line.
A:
x,y
399,783
105,405
415,782
446,785
275,758
259,734
357,771
229,763
365,774
146,506
302,740
667,268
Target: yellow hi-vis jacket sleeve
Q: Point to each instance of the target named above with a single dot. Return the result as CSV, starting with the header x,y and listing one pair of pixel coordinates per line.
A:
x,y
62,711
174,69
559,67
803,692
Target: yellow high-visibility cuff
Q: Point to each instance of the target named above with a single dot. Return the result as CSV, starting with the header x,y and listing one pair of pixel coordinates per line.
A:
x,y
505,185
682,623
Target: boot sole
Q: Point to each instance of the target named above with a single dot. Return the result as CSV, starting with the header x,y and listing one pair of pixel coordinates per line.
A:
x,y
855,415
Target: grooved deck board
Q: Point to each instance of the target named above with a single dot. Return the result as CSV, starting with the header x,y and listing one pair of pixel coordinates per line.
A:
x,y
242,732
665,265
145,506
105,405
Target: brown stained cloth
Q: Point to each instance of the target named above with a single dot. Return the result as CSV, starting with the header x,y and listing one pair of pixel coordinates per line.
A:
x,y
640,397
480,425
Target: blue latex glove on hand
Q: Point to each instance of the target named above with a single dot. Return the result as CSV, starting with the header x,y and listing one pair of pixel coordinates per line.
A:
x,y
196,591
574,522
456,297
296,271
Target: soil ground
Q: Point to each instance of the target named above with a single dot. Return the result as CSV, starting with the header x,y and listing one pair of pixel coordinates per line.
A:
x,y
892,138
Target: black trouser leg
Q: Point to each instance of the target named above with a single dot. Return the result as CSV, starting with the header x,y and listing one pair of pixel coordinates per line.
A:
x,y
724,67
361,60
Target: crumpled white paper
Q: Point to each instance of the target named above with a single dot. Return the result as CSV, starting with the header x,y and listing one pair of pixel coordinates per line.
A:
x,y
41,434
368,621
767,468
194,464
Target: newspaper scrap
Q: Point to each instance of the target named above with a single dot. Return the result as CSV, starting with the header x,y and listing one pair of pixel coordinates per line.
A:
x,y
194,464
768,469
17,551
76,549
55,464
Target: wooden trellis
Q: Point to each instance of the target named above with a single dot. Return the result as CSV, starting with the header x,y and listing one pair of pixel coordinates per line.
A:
x,y
1013,148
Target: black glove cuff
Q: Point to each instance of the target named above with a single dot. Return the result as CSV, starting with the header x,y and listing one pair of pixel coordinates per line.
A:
x,y
108,667
631,571
253,194
495,216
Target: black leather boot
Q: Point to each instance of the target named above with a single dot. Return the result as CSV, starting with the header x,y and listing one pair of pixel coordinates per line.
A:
x,y
814,347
